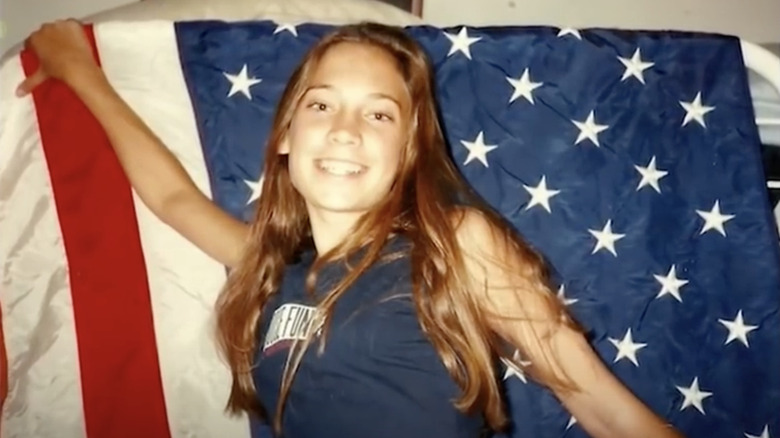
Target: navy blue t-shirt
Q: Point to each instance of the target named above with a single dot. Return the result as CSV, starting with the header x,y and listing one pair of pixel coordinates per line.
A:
x,y
379,375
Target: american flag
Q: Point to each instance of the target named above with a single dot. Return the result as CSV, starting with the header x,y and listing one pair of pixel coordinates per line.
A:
x,y
629,159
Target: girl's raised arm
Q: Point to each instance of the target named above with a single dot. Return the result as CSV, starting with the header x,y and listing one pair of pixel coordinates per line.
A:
x,y
156,175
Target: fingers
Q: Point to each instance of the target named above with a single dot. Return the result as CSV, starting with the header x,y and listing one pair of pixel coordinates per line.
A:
x,y
30,83
61,47
53,29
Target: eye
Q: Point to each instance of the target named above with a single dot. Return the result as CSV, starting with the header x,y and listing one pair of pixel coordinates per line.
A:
x,y
381,117
318,106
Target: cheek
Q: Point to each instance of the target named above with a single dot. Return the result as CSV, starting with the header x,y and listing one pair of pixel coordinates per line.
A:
x,y
304,127
390,157
293,169
296,159
302,143
395,149
393,160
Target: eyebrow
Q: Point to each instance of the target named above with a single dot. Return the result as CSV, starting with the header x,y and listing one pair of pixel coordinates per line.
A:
x,y
377,95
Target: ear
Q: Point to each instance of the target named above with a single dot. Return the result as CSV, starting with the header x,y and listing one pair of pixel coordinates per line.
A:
x,y
284,146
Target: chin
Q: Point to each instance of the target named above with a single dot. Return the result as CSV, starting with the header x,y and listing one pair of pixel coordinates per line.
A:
x,y
341,208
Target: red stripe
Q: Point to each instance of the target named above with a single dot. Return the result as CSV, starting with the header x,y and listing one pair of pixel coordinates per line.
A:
x,y
120,375
3,371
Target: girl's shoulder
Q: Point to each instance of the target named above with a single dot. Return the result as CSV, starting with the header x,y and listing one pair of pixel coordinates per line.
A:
x,y
475,228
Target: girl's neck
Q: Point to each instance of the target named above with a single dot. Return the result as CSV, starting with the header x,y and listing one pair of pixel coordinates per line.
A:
x,y
329,229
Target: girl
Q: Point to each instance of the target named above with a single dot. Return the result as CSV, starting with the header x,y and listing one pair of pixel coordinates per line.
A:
x,y
373,293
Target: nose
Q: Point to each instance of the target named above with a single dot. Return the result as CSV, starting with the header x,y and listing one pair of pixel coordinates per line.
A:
x,y
345,128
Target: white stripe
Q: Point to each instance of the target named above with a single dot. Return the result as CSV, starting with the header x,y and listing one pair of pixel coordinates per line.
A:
x,y
141,60
773,184
44,397
767,122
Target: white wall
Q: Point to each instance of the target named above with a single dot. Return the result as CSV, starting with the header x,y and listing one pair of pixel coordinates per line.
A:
x,y
20,17
756,20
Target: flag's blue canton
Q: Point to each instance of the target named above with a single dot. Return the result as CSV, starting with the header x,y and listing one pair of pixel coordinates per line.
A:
x,y
649,198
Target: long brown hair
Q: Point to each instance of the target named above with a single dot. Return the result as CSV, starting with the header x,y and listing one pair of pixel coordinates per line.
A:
x,y
426,189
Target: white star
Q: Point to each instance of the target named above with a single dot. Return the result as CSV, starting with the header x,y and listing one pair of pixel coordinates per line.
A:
x,y
256,187
478,149
627,348
288,27
461,42
670,284
572,422
589,129
514,370
693,395
737,329
569,31
563,299
694,110
523,87
714,220
635,66
764,433
606,238
540,195
650,175
241,82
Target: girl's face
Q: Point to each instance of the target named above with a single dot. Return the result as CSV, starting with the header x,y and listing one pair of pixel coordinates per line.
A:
x,y
348,131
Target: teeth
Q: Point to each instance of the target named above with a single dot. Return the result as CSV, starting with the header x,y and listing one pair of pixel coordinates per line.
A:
x,y
340,167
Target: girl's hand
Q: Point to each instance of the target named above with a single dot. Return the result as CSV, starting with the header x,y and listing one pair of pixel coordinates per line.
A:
x,y
63,51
